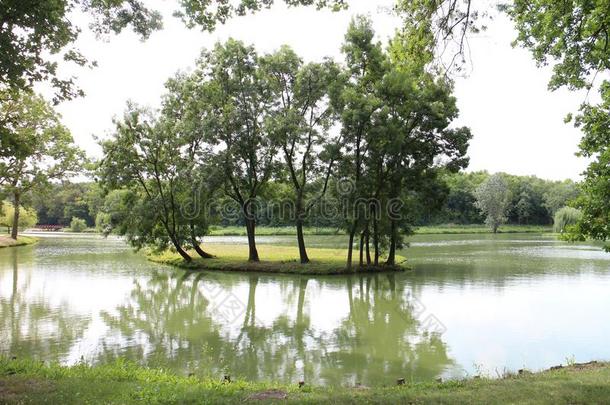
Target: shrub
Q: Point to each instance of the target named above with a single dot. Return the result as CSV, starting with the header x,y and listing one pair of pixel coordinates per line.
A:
x,y
78,224
564,217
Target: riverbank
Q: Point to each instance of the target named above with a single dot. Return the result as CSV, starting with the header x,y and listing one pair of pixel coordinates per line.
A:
x,y
6,241
25,381
423,230
274,259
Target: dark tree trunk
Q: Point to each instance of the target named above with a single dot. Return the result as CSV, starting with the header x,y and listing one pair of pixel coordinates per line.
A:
x,y
350,247
251,232
181,251
368,248
252,251
376,240
301,242
196,245
17,204
362,249
392,253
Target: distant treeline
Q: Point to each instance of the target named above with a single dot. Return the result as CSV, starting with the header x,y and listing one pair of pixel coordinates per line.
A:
x,y
533,201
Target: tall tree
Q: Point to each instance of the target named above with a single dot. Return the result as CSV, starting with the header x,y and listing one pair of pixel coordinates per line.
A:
x,y
232,86
366,65
493,199
37,148
299,124
143,157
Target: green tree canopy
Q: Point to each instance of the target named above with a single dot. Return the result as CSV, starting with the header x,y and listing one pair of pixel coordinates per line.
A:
x,y
36,147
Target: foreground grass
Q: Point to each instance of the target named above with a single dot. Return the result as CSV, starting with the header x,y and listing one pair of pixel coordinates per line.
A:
x,y
6,241
29,382
423,230
274,259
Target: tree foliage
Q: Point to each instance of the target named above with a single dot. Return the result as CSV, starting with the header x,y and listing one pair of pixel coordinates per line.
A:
x,y
34,35
493,198
27,216
36,147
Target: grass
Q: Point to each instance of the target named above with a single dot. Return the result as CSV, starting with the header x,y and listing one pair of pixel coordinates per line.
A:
x,y
31,382
7,241
423,230
470,229
274,259
273,231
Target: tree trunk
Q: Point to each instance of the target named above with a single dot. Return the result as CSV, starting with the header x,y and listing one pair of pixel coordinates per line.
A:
x,y
252,251
17,205
196,245
368,248
301,242
181,251
376,239
362,249
350,248
251,232
392,253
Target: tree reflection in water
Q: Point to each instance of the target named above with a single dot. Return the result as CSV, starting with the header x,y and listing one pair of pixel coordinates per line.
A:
x,y
29,326
170,321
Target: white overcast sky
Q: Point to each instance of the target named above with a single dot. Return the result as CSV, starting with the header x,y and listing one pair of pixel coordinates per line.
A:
x,y
517,123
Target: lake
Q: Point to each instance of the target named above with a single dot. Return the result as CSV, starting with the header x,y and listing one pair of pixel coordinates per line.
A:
x,y
473,304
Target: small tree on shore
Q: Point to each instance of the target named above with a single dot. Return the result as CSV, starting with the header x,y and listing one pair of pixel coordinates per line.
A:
x,y
493,199
36,148
27,217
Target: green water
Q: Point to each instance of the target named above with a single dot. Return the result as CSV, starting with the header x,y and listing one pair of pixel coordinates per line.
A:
x,y
474,303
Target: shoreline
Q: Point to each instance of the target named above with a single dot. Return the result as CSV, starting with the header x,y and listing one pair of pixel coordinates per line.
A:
x,y
122,382
6,241
274,260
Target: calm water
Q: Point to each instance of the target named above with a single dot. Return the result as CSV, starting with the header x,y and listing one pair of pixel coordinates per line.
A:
x,y
478,303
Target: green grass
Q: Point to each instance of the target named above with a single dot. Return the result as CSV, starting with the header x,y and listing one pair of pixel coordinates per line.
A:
x,y
30,382
274,259
423,230
273,231
7,241
469,229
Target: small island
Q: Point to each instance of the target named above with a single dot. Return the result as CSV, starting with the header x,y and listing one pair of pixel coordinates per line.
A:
x,y
6,241
275,259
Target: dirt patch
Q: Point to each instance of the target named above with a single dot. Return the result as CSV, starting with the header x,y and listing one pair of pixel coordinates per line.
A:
x,y
13,389
266,395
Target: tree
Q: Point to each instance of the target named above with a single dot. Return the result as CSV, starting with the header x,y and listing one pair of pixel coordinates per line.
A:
x,y
395,131
27,217
207,14
559,194
230,90
565,217
493,198
144,158
37,149
77,224
594,201
299,124
33,33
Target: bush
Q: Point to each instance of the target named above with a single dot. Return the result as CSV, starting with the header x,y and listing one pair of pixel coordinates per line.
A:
x,y
564,217
78,224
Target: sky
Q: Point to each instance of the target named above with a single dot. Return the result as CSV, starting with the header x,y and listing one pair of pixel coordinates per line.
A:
x,y
518,125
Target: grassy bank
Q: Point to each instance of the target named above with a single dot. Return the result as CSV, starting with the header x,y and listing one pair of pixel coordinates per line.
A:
x,y
29,382
469,229
6,241
274,259
423,230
